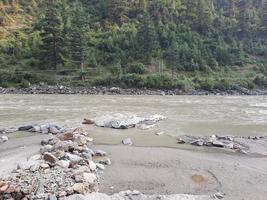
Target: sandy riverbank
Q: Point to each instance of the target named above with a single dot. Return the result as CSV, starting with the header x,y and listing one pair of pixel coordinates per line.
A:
x,y
154,170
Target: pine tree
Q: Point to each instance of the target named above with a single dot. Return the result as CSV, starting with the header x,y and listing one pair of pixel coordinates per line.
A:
x,y
78,30
51,27
147,38
118,11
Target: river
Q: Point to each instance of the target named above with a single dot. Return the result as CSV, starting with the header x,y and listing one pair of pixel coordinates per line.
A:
x,y
194,115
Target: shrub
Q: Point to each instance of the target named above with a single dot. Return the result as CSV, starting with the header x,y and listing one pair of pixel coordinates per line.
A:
x,y
136,68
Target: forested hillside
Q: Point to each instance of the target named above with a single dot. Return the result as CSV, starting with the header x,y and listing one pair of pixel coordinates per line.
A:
x,y
208,44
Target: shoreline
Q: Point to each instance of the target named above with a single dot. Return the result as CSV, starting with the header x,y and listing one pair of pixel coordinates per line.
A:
x,y
165,171
49,89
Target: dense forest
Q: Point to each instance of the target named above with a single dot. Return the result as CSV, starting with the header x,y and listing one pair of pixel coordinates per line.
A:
x,y
207,44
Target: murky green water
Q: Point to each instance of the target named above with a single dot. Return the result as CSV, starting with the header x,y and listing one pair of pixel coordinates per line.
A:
x,y
197,115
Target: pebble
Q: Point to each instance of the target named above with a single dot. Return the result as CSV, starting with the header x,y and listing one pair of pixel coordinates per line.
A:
x,y
127,141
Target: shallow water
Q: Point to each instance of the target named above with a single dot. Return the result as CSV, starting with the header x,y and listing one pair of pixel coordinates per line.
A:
x,y
196,115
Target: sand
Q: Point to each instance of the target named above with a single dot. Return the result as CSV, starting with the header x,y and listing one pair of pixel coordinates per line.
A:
x,y
165,171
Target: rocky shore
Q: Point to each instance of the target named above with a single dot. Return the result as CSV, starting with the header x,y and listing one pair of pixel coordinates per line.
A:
x,y
60,89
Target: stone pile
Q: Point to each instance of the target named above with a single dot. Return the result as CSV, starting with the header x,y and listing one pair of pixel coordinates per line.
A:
x,y
44,128
237,143
66,165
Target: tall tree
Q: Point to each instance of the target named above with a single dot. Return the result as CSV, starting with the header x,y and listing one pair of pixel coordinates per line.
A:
x,y
78,34
118,10
51,26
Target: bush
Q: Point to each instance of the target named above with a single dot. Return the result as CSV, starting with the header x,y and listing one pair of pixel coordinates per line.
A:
x,y
159,82
261,81
132,81
136,68
223,84
205,84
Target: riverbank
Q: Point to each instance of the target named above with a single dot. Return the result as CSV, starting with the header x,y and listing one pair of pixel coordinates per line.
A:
x,y
163,171
49,89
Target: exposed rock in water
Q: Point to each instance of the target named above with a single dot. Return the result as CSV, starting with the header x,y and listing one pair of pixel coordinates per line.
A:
x,y
125,121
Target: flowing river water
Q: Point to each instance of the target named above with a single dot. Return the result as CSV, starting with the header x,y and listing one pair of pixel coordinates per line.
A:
x,y
193,115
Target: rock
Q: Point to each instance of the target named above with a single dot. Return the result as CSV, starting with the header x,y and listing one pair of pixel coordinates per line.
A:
x,y
180,141
63,194
35,129
48,157
135,193
73,158
3,139
100,166
82,169
52,197
25,128
92,165
63,163
66,136
197,142
35,167
53,130
44,166
159,133
44,142
124,121
44,128
105,161
218,195
89,177
4,187
26,165
64,145
88,121
217,143
100,153
79,188
127,141
114,89
90,151
46,148
80,139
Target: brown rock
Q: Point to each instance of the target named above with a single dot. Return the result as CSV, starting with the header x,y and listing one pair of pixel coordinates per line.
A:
x,y
4,187
79,188
65,136
11,189
50,158
88,121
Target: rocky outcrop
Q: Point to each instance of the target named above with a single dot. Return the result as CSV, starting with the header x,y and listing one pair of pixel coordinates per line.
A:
x,y
65,166
125,121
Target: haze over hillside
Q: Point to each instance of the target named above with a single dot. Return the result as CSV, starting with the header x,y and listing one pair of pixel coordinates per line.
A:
x,y
203,44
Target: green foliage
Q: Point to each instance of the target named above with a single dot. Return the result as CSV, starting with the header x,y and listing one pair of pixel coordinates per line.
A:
x,y
136,68
124,38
